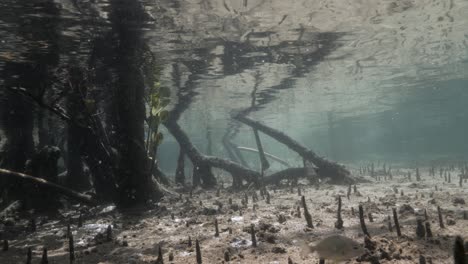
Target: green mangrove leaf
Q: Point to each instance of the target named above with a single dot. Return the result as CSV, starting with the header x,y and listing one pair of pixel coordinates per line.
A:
x,y
155,110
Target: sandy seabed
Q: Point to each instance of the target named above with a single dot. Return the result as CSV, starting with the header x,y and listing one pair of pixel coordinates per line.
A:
x,y
280,232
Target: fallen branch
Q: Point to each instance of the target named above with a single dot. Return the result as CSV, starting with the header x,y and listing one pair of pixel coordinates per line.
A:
x,y
49,185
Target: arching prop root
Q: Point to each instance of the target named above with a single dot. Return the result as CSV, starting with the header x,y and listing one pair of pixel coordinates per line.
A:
x,y
199,160
325,168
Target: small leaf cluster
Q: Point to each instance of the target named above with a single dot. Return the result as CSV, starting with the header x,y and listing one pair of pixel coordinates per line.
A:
x,y
158,100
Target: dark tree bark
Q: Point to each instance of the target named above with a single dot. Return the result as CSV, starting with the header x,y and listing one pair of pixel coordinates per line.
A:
x,y
98,156
47,61
133,171
48,129
41,128
101,169
32,73
204,162
17,122
47,186
159,175
76,178
202,174
17,125
326,169
43,165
